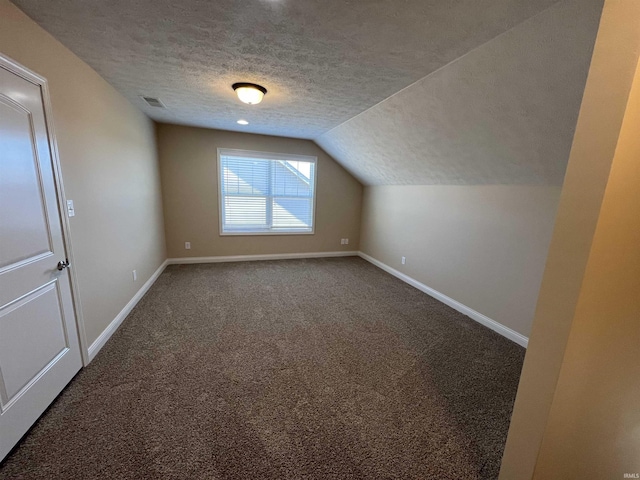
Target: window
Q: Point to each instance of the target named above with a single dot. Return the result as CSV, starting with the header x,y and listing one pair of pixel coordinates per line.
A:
x,y
266,193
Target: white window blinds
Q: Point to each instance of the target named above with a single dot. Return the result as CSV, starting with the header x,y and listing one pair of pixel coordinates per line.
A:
x,y
266,193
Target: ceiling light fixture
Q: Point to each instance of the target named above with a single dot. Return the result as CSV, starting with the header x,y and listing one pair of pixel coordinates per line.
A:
x,y
249,92
243,122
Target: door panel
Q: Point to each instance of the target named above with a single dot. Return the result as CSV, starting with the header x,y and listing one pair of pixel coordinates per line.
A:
x,y
20,196
39,348
32,334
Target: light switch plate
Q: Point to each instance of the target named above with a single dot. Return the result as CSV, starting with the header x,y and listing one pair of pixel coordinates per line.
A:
x,y
70,210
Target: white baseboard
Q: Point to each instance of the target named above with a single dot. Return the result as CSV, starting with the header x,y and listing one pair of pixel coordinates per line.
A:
x,y
99,342
477,316
95,347
250,258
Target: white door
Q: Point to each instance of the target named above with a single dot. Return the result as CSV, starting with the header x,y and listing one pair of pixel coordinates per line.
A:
x,y
39,350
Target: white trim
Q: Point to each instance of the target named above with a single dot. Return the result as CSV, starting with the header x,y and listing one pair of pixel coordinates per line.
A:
x,y
477,316
116,322
264,155
284,233
251,258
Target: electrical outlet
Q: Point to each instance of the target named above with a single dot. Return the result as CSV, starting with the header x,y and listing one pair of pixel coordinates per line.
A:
x,y
342,241
404,260
135,275
187,245
346,241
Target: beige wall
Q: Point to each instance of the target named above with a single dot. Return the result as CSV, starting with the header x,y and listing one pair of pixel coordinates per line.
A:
x,y
483,246
188,159
594,424
578,389
108,156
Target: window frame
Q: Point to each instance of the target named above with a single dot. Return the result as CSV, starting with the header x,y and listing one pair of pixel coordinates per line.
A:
x,y
265,156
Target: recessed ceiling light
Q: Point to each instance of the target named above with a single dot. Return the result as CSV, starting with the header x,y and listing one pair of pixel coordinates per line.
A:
x,y
243,122
249,92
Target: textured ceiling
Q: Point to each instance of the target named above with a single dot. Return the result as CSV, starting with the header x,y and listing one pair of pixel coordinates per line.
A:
x,y
504,113
323,61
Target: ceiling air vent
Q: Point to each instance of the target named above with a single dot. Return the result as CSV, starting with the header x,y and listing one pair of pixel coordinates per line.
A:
x,y
153,102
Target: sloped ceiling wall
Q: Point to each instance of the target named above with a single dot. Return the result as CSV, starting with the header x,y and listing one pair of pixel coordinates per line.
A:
x,y
504,113
309,54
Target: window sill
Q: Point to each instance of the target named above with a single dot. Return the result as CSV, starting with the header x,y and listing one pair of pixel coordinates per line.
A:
x,y
252,234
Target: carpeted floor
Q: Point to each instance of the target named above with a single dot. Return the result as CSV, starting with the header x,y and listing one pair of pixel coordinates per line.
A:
x,y
298,369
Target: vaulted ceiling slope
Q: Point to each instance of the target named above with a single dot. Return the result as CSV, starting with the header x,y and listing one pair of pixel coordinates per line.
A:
x,y
323,61
504,113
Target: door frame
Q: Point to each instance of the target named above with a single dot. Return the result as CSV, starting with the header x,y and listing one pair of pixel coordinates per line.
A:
x,y
20,70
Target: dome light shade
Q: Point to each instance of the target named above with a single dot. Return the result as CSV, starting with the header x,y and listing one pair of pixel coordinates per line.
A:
x,y
249,92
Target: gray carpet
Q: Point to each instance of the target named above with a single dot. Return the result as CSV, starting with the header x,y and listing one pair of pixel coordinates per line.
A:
x,y
299,369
